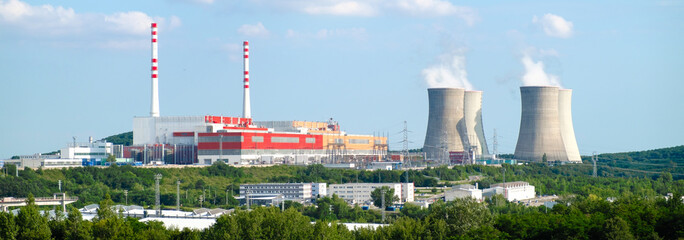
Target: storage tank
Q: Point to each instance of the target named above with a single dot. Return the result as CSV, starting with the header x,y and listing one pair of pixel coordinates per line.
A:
x,y
472,113
445,118
540,131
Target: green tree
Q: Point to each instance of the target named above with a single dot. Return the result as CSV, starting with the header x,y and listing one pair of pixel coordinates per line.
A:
x,y
390,198
108,224
414,211
111,159
58,225
617,229
76,227
30,223
8,228
462,215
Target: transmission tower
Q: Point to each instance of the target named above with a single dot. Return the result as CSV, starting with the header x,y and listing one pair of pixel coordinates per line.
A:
x,y
178,195
594,158
405,143
157,201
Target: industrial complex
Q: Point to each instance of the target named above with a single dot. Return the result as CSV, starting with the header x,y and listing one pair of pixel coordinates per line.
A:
x,y
455,134
240,140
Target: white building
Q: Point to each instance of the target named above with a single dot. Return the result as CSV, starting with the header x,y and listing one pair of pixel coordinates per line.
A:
x,y
463,191
384,166
512,191
407,192
91,150
290,191
319,190
155,130
360,193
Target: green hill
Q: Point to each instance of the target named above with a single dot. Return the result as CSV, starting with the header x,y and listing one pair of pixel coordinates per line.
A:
x,y
125,139
649,162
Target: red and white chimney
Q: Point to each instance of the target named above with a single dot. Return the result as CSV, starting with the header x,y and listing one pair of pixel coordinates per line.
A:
x,y
246,110
154,108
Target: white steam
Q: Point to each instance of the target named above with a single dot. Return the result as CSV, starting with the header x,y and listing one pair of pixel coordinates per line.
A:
x,y
535,74
450,72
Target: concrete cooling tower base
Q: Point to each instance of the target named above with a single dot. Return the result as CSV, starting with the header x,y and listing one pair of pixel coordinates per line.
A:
x,y
444,121
540,126
472,113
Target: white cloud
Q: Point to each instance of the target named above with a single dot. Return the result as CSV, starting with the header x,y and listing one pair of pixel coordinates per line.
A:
x,y
116,30
136,23
256,30
347,8
535,74
428,8
370,8
450,72
349,33
51,20
234,51
199,1
554,25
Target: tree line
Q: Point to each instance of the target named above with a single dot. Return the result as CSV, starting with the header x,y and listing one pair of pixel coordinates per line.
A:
x,y
218,184
628,217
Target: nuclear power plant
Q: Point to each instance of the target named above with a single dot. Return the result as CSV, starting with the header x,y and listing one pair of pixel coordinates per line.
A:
x,y
454,128
546,125
240,140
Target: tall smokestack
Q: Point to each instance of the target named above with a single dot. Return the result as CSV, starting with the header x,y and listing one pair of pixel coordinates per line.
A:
x,y
540,130
567,131
154,108
472,113
445,122
246,110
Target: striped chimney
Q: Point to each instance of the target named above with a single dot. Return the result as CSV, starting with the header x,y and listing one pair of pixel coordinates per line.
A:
x,y
246,110
154,108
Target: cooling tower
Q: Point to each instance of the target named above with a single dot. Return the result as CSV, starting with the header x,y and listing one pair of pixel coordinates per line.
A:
x,y
540,131
567,131
472,113
445,118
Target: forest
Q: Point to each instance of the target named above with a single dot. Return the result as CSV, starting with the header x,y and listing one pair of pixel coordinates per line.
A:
x,y
637,208
628,217
220,181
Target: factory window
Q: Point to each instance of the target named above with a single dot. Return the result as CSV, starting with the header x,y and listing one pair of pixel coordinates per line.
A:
x,y
285,139
92,153
257,139
225,139
310,140
378,141
358,141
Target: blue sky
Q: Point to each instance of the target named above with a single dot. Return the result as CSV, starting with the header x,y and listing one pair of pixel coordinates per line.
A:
x,y
81,68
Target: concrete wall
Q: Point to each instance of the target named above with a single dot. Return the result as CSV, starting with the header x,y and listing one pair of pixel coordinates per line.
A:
x,y
472,113
567,130
153,130
540,131
445,122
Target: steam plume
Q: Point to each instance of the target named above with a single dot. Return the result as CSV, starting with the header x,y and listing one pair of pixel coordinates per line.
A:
x,y
450,72
535,74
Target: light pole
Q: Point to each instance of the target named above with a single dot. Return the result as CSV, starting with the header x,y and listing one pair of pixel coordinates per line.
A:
x,y
157,200
382,200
